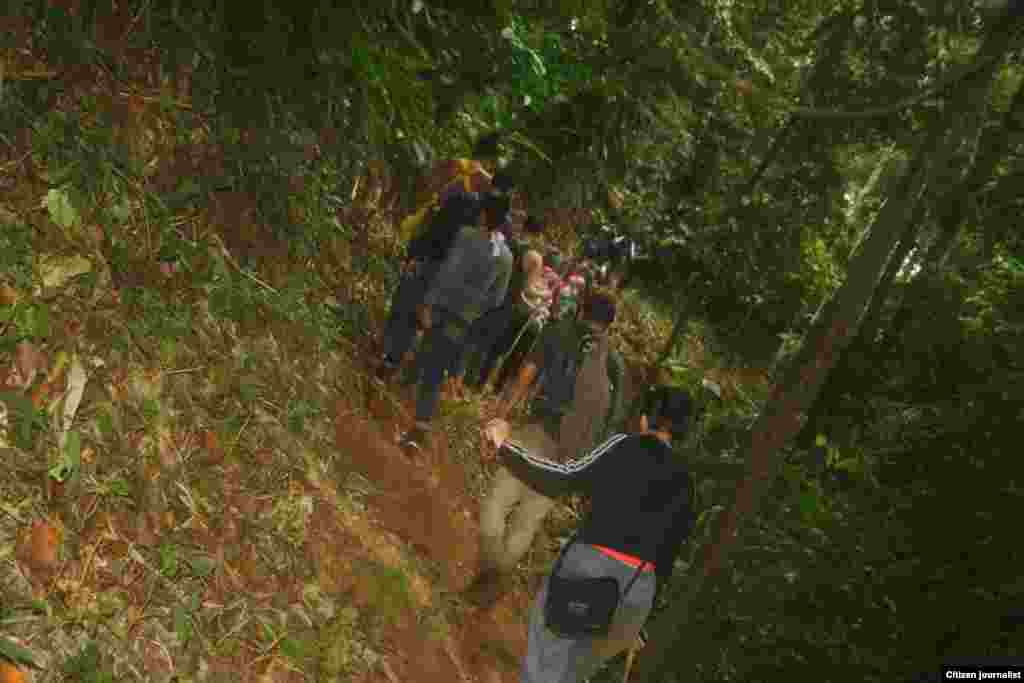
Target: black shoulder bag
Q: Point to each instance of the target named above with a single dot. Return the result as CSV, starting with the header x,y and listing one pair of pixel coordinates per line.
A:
x,y
585,607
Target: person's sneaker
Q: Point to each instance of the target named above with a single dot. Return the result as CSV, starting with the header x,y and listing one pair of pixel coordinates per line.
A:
x,y
386,370
413,442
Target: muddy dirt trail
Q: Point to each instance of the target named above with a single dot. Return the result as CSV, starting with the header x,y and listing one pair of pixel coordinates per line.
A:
x,y
427,503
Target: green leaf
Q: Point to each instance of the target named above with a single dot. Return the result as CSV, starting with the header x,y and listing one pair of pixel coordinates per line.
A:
x,y
73,449
85,663
16,653
70,460
809,504
292,648
35,321
105,423
202,566
60,472
150,408
182,623
121,211
119,487
62,212
248,391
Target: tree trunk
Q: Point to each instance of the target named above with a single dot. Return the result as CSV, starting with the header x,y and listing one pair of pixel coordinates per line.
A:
x,y
831,331
873,317
992,148
847,369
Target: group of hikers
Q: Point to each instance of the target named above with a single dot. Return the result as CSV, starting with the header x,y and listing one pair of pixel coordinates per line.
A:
x,y
478,300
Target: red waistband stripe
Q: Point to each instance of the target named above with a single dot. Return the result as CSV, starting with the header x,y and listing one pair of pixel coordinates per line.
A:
x,y
633,562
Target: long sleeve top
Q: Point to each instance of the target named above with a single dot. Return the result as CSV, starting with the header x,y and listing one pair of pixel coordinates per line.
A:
x,y
634,483
473,277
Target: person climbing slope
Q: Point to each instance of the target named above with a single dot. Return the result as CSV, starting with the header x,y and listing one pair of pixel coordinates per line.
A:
x,y
640,515
424,256
527,314
472,279
580,380
488,325
489,330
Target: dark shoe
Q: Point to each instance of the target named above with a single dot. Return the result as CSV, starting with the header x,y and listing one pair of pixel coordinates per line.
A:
x,y
386,370
486,589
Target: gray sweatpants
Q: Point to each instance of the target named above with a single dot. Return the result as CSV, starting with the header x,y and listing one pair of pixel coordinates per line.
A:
x,y
552,659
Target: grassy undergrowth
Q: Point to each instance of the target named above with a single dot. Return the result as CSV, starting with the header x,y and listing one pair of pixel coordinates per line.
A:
x,y
169,438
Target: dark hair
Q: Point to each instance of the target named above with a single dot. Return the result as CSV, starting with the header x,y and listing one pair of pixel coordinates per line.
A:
x,y
497,204
599,308
462,208
503,182
673,410
488,146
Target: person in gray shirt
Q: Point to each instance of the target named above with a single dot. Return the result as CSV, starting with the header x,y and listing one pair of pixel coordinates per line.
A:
x,y
472,280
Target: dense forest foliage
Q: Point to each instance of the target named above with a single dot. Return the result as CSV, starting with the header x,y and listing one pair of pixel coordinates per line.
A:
x,y
829,190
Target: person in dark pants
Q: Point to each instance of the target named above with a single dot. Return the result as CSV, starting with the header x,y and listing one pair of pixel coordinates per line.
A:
x,y
528,313
483,329
472,279
641,514
424,256
493,333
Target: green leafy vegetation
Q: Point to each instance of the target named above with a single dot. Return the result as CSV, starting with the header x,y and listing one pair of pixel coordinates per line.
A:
x,y
211,234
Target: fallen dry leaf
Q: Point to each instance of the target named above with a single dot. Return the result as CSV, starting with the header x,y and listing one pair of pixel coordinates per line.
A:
x,y
29,361
11,674
166,448
72,398
214,452
44,540
56,270
144,532
8,295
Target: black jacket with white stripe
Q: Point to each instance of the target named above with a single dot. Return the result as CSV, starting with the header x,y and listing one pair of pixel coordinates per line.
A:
x,y
634,483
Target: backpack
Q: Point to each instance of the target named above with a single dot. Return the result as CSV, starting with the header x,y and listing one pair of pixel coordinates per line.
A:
x,y
561,378
434,241
466,172
584,423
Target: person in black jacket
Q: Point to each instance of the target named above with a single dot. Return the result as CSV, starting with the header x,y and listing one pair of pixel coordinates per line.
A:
x,y
640,516
424,256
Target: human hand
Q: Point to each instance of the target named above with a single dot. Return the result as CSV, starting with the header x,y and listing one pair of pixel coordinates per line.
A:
x,y
496,431
641,638
423,316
